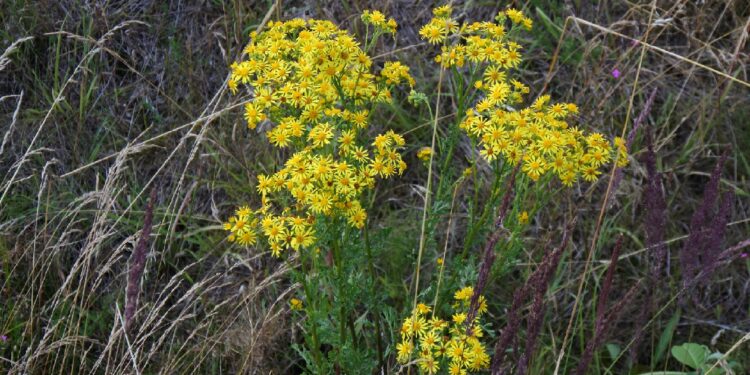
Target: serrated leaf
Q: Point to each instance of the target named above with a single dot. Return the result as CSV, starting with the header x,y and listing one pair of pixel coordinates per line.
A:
x,y
691,354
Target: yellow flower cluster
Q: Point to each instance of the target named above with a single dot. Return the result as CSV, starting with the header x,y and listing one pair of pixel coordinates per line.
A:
x,y
379,21
537,135
440,342
440,26
312,83
424,153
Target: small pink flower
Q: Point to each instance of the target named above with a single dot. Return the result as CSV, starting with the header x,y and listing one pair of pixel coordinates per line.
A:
x,y
616,73
3,338
743,255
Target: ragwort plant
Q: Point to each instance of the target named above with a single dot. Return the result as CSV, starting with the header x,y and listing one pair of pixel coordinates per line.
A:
x,y
537,139
313,88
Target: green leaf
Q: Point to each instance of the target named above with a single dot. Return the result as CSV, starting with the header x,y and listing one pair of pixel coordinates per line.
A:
x,y
666,337
715,371
613,350
691,354
550,25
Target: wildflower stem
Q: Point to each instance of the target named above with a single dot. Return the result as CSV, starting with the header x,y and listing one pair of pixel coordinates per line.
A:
x,y
445,248
339,281
427,196
313,325
373,279
475,227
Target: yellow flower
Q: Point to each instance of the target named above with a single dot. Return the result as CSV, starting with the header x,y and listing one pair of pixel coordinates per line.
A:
x,y
423,309
378,19
527,23
246,238
320,135
464,294
396,73
429,340
232,85
433,33
295,304
515,15
457,351
494,75
463,352
443,11
424,153
456,369
533,167
404,350
590,173
418,326
428,364
357,217
253,115
302,238
321,203
459,318
523,217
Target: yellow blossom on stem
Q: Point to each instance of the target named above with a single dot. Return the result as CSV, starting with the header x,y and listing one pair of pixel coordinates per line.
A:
x,y
424,153
441,344
538,135
312,84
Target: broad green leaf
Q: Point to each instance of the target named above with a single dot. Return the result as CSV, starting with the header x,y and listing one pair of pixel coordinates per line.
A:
x,y
691,354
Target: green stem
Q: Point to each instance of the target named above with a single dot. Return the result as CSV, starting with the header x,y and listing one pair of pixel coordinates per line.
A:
x,y
376,313
313,324
339,280
477,226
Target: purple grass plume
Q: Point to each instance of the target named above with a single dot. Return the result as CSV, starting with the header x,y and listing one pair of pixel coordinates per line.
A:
x,y
655,221
604,327
605,319
629,141
138,263
489,249
701,254
538,283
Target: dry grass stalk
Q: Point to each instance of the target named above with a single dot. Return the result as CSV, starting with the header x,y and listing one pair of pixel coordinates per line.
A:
x,y
537,283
